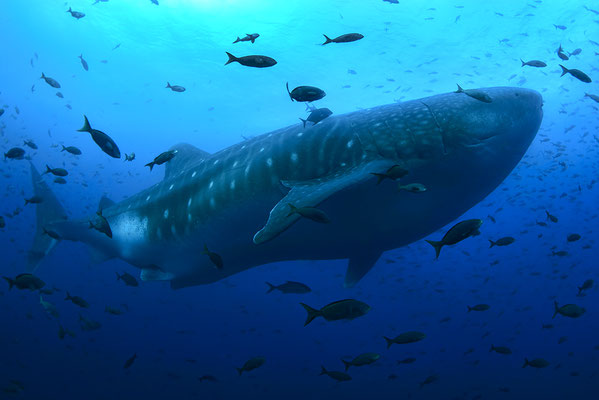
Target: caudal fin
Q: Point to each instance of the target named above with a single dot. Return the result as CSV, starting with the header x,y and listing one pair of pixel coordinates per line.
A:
x,y
86,126
271,287
491,243
525,363
232,58
239,371
437,246
312,313
328,40
47,212
11,282
389,341
556,309
564,70
237,40
347,364
323,370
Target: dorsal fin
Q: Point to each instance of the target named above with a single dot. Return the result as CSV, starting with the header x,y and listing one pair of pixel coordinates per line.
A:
x,y
187,155
105,202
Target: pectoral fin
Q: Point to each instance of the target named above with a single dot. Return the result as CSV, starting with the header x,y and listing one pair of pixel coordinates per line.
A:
x,y
310,194
359,265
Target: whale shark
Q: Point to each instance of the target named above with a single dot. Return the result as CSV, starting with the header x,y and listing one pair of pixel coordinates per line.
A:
x,y
237,201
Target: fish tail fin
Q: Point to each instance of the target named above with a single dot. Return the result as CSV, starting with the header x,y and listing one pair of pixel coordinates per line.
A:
x,y
492,243
347,364
526,363
43,76
312,313
460,90
47,212
303,121
69,10
238,40
492,348
564,70
327,41
287,86
118,277
232,58
579,289
437,246
48,170
239,371
388,340
86,126
469,308
206,251
68,296
11,282
168,85
150,164
323,370
556,309
379,177
271,287
63,148
293,209
523,63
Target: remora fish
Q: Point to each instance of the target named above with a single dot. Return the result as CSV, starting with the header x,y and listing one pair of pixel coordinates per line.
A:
x,y
238,199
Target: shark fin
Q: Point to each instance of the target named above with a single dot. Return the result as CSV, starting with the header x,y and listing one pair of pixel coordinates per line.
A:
x,y
310,194
105,203
359,265
48,211
187,155
149,274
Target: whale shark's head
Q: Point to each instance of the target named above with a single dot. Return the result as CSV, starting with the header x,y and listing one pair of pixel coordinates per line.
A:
x,y
505,126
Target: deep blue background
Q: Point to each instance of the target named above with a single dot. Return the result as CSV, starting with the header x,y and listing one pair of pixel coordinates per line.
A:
x,y
410,50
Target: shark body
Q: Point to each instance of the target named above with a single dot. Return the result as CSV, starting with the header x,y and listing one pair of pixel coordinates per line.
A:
x,y
236,201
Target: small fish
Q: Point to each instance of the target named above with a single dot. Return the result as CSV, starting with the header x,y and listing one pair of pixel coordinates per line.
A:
x,y
49,308
501,350
34,200
504,241
573,237
317,115
412,188
16,153
312,213
348,37
536,363
568,310
84,63
30,144
475,94
71,149
208,378
551,217
162,158
586,285
534,63
101,224
215,258
56,171
576,73
129,157
252,61
457,233
429,379
59,94
249,37
289,287
175,88
338,310
305,93
78,301
405,338
394,173
104,141
408,360
128,279
361,360
62,332
88,324
76,14
561,54
52,82
251,364
336,375
130,361
593,97
25,281
560,27
60,180
479,307
113,311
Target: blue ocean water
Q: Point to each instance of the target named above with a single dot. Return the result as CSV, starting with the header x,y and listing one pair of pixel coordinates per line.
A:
x,y
410,50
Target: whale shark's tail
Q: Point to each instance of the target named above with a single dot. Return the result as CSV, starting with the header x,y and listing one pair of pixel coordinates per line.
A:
x,y
48,211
